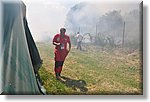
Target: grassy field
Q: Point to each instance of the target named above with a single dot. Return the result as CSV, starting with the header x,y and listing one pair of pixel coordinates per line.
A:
x,y
93,71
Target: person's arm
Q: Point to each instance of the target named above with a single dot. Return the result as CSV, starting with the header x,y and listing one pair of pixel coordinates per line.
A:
x,y
69,42
55,43
69,47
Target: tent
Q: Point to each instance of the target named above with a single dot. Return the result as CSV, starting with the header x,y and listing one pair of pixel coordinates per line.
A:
x,y
20,57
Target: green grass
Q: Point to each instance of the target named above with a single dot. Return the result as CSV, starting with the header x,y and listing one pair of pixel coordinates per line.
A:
x,y
101,72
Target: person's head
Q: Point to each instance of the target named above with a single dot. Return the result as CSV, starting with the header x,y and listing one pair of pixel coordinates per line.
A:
x,y
77,32
62,31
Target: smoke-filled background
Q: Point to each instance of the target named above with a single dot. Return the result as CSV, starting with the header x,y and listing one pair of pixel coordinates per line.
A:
x,y
106,24
113,24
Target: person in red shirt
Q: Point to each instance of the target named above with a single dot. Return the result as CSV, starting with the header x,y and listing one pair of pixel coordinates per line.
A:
x,y
60,41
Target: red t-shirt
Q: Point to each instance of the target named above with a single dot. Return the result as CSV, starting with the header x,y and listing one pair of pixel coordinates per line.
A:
x,y
61,50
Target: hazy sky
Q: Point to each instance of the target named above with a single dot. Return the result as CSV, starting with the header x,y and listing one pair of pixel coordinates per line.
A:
x,y
46,17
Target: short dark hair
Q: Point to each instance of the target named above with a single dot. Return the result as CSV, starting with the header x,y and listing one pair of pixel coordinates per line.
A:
x,y
62,29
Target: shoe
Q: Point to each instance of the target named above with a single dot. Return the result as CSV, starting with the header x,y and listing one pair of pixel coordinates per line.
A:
x,y
58,77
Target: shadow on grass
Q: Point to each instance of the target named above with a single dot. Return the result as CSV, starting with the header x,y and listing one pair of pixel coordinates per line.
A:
x,y
74,84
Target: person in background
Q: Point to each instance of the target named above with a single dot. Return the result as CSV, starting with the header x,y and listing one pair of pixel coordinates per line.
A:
x,y
79,41
61,41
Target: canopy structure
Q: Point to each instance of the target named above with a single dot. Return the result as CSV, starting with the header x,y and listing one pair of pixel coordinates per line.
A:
x,y
20,57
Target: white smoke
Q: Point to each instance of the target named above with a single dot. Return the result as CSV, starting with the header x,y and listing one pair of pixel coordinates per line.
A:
x,y
46,17
105,18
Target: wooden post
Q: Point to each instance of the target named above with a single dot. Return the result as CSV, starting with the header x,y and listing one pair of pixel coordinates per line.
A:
x,y
79,29
123,35
96,29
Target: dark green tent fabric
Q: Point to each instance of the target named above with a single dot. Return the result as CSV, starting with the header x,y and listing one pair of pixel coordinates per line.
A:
x,y
0,47
34,54
20,55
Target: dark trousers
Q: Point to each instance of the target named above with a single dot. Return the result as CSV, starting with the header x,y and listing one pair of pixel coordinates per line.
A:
x,y
58,67
79,45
